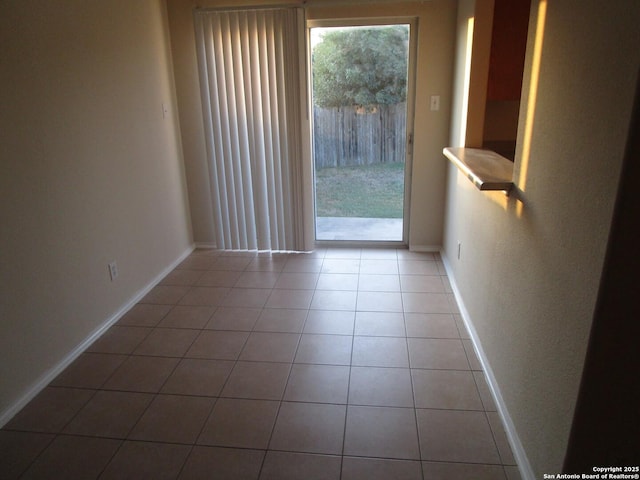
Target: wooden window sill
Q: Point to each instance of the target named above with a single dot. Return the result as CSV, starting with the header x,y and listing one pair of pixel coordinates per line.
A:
x,y
486,169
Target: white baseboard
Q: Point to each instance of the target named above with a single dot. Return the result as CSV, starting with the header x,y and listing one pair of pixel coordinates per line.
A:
x,y
53,372
425,248
205,245
514,440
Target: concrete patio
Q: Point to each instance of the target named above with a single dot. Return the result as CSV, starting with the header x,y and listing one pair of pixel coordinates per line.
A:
x,y
363,229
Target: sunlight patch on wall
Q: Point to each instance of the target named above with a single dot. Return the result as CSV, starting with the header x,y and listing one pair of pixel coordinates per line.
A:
x,y
532,97
467,80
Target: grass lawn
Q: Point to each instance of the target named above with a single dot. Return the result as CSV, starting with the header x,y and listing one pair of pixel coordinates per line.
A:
x,y
368,191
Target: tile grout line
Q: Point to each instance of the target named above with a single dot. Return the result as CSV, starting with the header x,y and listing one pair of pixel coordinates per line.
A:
x,y
159,392
156,394
413,394
217,398
281,401
346,407
101,389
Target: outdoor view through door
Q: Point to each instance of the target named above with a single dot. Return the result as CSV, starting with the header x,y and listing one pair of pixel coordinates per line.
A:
x,y
360,131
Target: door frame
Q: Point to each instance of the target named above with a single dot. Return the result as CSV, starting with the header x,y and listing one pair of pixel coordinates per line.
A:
x,y
309,192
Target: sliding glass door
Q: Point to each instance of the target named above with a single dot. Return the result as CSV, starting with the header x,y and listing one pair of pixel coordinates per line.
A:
x,y
361,91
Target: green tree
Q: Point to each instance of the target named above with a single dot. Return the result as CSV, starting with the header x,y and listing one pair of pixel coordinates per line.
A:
x,y
361,66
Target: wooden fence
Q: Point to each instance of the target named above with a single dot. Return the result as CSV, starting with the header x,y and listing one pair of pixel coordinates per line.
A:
x,y
349,136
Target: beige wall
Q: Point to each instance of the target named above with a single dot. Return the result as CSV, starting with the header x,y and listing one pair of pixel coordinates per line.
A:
x,y
190,113
530,265
434,74
90,172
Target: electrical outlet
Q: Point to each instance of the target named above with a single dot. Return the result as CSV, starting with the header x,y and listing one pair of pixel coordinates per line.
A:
x,y
435,103
113,270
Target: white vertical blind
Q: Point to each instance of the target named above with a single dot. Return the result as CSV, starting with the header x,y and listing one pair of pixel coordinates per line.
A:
x,y
249,78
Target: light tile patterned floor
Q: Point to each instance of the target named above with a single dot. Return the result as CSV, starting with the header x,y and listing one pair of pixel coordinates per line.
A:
x,y
340,364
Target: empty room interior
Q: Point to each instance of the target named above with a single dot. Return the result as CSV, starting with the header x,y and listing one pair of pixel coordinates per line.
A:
x,y
497,340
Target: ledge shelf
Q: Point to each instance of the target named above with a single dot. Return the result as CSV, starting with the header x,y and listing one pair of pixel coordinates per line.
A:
x,y
485,168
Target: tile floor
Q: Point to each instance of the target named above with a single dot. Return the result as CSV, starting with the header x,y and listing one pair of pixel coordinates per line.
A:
x,y
340,364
